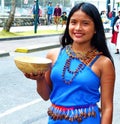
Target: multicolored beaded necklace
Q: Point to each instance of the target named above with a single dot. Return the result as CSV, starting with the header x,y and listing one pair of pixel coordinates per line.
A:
x,y
85,59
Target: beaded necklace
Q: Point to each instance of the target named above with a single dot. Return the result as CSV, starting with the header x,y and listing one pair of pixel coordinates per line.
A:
x,y
85,60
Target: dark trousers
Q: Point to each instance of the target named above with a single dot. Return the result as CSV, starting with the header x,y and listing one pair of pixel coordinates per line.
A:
x,y
36,19
49,19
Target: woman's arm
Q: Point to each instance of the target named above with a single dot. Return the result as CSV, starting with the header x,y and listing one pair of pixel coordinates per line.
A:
x,y
107,91
43,81
44,85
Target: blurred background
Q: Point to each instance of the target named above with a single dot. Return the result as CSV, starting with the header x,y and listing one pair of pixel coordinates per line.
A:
x,y
23,7
24,14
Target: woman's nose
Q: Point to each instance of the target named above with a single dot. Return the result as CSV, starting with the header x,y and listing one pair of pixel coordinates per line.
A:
x,y
78,27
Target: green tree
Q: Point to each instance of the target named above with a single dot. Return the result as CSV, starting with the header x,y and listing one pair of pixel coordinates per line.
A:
x,y
10,19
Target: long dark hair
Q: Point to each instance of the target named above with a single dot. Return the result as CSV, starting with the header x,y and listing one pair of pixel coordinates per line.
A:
x,y
99,39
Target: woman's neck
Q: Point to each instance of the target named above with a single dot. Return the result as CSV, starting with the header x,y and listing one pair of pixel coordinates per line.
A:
x,y
81,48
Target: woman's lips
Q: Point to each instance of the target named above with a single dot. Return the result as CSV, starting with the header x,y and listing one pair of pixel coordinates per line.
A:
x,y
78,34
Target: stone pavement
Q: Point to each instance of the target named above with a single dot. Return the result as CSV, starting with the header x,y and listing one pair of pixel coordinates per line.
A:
x,y
33,48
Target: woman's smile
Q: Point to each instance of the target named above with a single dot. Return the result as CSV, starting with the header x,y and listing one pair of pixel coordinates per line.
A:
x,y
78,35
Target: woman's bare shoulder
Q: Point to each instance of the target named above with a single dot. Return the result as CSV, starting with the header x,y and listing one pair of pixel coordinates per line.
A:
x,y
105,61
106,64
103,66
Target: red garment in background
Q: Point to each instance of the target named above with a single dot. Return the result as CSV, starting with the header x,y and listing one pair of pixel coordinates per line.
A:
x,y
114,37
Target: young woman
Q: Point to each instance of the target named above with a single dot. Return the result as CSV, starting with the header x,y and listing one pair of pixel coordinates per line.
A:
x,y
79,69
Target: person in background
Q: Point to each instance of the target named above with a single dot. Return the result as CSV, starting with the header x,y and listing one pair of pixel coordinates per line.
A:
x,y
105,21
104,17
36,12
117,30
115,19
64,18
82,72
114,33
40,11
57,15
49,13
112,16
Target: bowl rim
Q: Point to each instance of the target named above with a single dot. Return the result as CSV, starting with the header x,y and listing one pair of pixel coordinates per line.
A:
x,y
19,58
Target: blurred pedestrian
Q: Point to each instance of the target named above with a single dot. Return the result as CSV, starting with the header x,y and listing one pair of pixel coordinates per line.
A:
x,y
104,17
105,21
57,15
49,13
112,16
115,19
36,12
114,33
64,18
117,30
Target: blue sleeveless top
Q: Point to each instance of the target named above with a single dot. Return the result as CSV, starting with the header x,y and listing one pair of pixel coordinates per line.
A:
x,y
75,102
83,90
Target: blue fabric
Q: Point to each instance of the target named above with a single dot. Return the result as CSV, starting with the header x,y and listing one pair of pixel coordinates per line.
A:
x,y
50,10
93,61
84,89
35,11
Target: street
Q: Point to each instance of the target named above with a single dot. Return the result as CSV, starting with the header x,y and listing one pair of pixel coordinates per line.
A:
x,y
11,45
19,101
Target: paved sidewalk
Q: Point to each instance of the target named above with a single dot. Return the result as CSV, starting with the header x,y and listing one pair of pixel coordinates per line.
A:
x,y
34,48
30,28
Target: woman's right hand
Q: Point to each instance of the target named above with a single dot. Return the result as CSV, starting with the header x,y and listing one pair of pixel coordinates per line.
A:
x,y
38,76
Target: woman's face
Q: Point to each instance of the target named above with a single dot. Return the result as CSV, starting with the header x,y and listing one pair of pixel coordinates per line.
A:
x,y
81,27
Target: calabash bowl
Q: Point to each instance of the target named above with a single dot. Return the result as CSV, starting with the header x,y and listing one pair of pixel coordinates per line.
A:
x,y
29,65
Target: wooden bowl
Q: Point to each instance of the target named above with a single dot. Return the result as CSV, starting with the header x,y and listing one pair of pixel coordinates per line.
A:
x,y
32,64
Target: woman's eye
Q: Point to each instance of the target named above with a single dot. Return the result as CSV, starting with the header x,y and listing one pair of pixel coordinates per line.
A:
x,y
85,23
73,22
